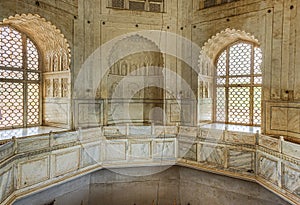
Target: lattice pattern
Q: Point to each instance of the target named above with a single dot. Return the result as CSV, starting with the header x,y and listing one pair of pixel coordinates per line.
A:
x,y
257,106
20,80
32,56
10,48
33,104
239,85
239,80
11,74
240,59
221,81
11,104
221,65
258,80
139,6
155,7
257,60
220,104
239,105
117,3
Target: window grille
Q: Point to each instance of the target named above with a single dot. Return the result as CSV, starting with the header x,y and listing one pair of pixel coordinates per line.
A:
x,y
238,80
19,80
138,5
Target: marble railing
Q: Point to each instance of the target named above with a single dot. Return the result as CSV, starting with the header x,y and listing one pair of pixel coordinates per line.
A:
x,y
31,164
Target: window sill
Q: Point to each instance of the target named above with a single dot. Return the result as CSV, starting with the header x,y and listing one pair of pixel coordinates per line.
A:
x,y
25,132
232,128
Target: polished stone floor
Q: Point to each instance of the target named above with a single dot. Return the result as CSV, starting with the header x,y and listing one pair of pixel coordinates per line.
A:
x,y
23,132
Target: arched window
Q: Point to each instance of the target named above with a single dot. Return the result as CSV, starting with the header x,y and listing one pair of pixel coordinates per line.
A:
x,y
238,80
20,80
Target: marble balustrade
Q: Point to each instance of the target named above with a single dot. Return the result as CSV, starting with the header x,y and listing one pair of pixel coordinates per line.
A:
x,y
30,164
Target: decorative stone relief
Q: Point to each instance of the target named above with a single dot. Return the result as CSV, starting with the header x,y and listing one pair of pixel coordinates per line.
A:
x,y
65,87
48,88
216,43
56,88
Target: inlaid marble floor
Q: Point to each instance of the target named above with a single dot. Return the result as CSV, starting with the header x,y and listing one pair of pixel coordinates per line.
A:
x,y
23,132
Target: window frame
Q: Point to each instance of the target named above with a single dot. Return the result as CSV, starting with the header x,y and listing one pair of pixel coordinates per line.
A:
x,y
146,7
227,85
25,81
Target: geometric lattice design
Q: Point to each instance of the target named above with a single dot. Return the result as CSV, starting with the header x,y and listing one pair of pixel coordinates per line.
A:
x,y
220,105
117,3
240,59
239,79
11,104
154,7
239,105
10,48
19,80
32,56
257,60
138,5
33,104
257,106
221,65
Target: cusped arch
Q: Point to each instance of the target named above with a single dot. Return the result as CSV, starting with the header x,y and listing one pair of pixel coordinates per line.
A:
x,y
46,36
217,43
132,44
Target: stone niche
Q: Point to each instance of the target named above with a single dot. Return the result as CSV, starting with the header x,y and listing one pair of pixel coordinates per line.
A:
x,y
135,83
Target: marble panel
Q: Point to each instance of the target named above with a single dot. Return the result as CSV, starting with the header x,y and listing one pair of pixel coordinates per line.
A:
x,y
115,150
211,134
241,160
33,171
140,130
6,183
164,149
56,113
140,150
171,130
90,134
291,149
6,150
91,154
187,150
114,130
63,138
65,161
89,114
267,169
33,143
211,154
240,138
291,178
159,130
188,131
269,142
